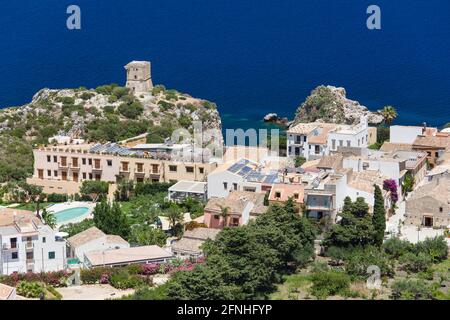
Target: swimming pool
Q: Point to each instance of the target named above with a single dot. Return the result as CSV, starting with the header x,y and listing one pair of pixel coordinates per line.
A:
x,y
70,214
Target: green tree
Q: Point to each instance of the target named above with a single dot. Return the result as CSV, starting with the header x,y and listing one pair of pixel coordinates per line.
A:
x,y
389,114
94,189
408,183
379,216
145,235
299,161
224,213
174,215
33,193
110,219
355,227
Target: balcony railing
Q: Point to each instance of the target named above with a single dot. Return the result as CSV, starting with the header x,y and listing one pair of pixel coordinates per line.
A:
x,y
137,171
125,170
29,245
8,246
97,168
63,165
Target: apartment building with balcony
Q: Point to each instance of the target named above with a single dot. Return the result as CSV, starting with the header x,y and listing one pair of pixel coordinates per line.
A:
x,y
62,168
315,140
27,245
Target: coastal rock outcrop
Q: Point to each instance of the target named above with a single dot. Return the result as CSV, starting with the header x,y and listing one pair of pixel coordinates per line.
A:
x,y
330,104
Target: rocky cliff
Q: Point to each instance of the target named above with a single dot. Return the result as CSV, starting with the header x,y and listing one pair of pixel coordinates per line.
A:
x,y
330,104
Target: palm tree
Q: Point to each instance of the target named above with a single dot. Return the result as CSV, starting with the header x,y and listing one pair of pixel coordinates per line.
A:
x,y
174,215
34,193
49,218
389,114
224,213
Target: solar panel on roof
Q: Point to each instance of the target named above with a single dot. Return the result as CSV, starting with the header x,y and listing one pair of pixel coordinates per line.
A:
x,y
244,171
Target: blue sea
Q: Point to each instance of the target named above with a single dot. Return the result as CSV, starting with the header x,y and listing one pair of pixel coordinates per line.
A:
x,y
250,57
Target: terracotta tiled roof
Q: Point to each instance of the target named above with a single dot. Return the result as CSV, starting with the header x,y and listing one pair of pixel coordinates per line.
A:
x,y
432,141
236,201
86,236
391,146
331,162
287,191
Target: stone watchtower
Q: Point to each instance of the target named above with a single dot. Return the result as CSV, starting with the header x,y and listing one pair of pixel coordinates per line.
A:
x,y
139,78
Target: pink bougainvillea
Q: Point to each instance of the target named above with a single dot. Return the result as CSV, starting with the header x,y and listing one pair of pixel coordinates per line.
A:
x,y
391,185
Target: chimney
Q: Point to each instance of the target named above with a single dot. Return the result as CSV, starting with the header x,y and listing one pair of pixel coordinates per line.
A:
x,y
424,129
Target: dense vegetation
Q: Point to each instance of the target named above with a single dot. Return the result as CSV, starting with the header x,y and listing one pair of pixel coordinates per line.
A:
x,y
245,262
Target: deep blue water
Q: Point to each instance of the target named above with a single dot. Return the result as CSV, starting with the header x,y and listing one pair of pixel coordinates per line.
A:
x,y
250,57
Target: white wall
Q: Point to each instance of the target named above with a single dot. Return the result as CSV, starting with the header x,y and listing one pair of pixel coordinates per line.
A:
x,y
41,249
216,183
402,134
97,245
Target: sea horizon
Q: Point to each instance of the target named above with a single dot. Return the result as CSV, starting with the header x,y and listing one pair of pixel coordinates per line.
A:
x,y
249,57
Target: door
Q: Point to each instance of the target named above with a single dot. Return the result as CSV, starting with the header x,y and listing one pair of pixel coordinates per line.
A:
x,y
64,175
41,173
75,176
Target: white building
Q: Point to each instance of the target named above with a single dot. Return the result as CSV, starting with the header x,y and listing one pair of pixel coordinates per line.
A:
x,y
28,245
407,134
93,239
243,175
314,140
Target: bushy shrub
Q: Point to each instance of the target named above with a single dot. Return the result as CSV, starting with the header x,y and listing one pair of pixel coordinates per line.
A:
x,y
395,247
93,275
436,248
410,289
416,262
55,278
360,260
125,280
331,282
57,197
30,289
131,110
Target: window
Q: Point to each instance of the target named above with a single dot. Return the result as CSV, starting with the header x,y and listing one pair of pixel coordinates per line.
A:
x,y
441,209
333,144
83,161
49,159
173,168
235,186
44,239
216,217
348,143
90,162
49,173
277,194
84,175
30,255
51,255
14,255
190,169
109,162
225,186
341,143
429,153
13,242
317,149
90,176
201,170
55,173
304,138
55,159
436,154
298,139
295,195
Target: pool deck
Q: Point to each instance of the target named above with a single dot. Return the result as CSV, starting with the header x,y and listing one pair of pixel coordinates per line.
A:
x,y
71,205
